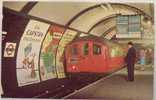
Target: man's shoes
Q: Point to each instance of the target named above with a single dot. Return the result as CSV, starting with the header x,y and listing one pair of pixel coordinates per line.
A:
x,y
131,80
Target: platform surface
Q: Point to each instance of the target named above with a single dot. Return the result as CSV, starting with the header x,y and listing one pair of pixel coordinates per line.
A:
x,y
116,87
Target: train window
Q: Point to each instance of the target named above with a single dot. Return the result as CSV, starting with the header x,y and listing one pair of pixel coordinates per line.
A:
x,y
96,49
85,49
74,50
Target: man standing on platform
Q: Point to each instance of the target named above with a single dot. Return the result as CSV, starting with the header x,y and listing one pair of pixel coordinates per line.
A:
x,y
130,61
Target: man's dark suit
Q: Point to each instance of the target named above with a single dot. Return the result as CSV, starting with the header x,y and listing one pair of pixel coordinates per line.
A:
x,y
130,60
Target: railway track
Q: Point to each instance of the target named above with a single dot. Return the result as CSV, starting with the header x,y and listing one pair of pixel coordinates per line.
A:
x,y
73,85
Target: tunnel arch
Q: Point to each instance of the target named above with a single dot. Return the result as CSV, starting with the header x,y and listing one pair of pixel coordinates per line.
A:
x,y
49,84
96,6
132,7
101,21
88,19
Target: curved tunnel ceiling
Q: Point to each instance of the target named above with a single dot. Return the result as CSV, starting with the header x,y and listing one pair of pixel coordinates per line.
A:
x,y
58,12
104,20
17,6
110,33
64,12
88,19
103,27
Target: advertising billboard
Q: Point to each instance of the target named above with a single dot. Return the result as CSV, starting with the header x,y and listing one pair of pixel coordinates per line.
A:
x,y
27,62
48,68
67,37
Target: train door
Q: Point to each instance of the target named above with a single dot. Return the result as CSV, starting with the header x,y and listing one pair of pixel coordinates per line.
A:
x,y
85,63
98,57
72,57
78,57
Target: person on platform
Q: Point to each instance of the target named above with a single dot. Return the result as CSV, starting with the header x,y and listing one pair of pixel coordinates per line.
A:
x,y
142,58
130,61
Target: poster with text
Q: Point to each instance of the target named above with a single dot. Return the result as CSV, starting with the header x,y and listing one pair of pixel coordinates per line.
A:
x,y
48,68
67,37
27,62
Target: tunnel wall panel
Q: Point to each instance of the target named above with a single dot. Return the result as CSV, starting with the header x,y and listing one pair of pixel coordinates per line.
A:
x,y
15,24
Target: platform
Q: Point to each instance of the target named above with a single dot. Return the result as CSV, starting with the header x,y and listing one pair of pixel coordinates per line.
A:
x,y
115,87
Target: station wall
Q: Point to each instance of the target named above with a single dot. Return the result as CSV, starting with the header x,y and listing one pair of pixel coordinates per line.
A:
x,y
32,55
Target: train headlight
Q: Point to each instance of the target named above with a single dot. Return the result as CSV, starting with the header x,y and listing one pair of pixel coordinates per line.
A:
x,y
73,67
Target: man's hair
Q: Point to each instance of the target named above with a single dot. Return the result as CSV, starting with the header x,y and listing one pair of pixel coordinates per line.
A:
x,y
130,43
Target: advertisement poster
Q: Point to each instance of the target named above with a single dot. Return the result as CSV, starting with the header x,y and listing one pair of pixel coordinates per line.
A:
x,y
67,37
48,53
27,62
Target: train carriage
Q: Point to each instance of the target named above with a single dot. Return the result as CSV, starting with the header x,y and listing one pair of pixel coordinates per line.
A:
x,y
92,54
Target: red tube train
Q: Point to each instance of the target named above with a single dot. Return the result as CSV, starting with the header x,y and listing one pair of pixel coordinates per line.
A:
x,y
94,55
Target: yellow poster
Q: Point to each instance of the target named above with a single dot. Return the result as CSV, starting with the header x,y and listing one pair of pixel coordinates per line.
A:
x,y
67,37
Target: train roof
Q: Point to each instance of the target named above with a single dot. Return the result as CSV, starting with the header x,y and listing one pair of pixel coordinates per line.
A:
x,y
88,38
94,38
